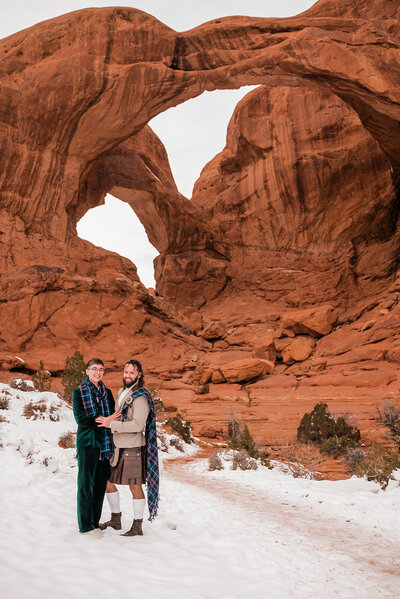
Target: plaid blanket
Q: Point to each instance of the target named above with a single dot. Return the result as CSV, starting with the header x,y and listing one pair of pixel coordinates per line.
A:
x,y
96,403
152,473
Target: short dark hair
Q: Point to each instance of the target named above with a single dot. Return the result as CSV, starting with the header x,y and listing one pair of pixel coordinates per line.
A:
x,y
94,361
140,369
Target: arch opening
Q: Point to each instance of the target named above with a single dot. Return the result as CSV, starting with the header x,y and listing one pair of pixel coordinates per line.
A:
x,y
114,226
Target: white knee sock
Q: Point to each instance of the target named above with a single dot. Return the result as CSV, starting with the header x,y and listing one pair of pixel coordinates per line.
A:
x,y
113,502
138,508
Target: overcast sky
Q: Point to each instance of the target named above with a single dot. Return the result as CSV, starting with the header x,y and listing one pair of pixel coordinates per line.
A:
x,y
192,133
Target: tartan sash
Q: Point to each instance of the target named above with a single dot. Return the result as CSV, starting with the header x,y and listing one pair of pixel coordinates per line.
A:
x,y
96,403
152,473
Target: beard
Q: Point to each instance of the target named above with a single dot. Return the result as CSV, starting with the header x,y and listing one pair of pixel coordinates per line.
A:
x,y
129,384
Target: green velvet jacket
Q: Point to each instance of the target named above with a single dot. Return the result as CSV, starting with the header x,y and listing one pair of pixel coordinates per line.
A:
x,y
89,434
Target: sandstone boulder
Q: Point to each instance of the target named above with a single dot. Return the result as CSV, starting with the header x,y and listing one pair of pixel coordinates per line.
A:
x,y
298,350
218,377
215,330
245,370
317,321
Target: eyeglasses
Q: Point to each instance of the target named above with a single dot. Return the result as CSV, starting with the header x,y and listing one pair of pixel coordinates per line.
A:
x,y
99,370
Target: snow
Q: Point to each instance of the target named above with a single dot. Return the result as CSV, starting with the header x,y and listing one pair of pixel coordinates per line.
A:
x,y
219,535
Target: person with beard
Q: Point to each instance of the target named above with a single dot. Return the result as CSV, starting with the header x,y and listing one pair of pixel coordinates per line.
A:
x,y
135,460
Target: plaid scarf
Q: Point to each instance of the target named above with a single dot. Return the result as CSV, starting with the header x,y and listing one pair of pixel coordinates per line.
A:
x,y
152,474
96,403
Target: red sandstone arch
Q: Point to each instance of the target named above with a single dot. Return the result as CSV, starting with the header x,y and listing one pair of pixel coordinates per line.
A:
x,y
76,89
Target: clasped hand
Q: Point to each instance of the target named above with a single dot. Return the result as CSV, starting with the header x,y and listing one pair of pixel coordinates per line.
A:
x,y
105,421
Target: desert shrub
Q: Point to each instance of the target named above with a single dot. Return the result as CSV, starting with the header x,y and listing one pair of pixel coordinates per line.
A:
x,y
39,410
42,378
378,465
181,427
337,446
242,440
214,461
21,384
242,460
353,457
67,440
204,389
390,416
177,443
2,418
334,435
73,375
264,458
4,402
157,401
300,460
162,440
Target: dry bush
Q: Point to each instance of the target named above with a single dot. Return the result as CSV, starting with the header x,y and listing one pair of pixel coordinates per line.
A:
x,y
162,440
242,460
2,418
176,442
389,415
354,457
378,465
39,409
67,440
21,384
214,461
4,402
300,460
157,401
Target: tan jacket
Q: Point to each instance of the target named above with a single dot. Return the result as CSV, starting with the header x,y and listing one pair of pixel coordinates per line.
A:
x,y
131,432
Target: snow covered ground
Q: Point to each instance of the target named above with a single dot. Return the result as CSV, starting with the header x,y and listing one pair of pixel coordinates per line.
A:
x,y
219,535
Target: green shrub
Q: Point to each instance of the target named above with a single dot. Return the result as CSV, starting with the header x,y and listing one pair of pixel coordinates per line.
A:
x,y
378,465
337,446
242,439
73,375
334,436
42,378
181,427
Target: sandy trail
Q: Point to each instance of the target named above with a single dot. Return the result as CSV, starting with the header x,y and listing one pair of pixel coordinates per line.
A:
x,y
365,549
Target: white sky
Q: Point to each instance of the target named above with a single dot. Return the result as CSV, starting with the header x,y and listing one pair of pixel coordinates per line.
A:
x,y
185,130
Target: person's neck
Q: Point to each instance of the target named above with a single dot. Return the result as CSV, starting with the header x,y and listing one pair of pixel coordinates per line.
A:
x,y
95,383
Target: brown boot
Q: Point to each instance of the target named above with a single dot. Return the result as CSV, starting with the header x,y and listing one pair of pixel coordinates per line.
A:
x,y
136,529
113,522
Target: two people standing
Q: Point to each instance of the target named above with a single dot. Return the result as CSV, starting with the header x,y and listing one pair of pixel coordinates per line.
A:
x,y
124,433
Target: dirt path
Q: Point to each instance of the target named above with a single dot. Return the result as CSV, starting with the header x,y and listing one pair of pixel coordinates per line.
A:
x,y
361,546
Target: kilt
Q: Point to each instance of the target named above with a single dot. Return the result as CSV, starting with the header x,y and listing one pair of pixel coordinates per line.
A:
x,y
130,468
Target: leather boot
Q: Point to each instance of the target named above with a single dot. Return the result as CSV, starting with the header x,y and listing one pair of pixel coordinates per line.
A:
x,y
136,529
113,522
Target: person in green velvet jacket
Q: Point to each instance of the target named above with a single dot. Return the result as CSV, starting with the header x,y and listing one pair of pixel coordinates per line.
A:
x,y
94,446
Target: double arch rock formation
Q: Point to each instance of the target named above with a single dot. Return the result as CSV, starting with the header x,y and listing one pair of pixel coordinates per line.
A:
x,y
77,93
